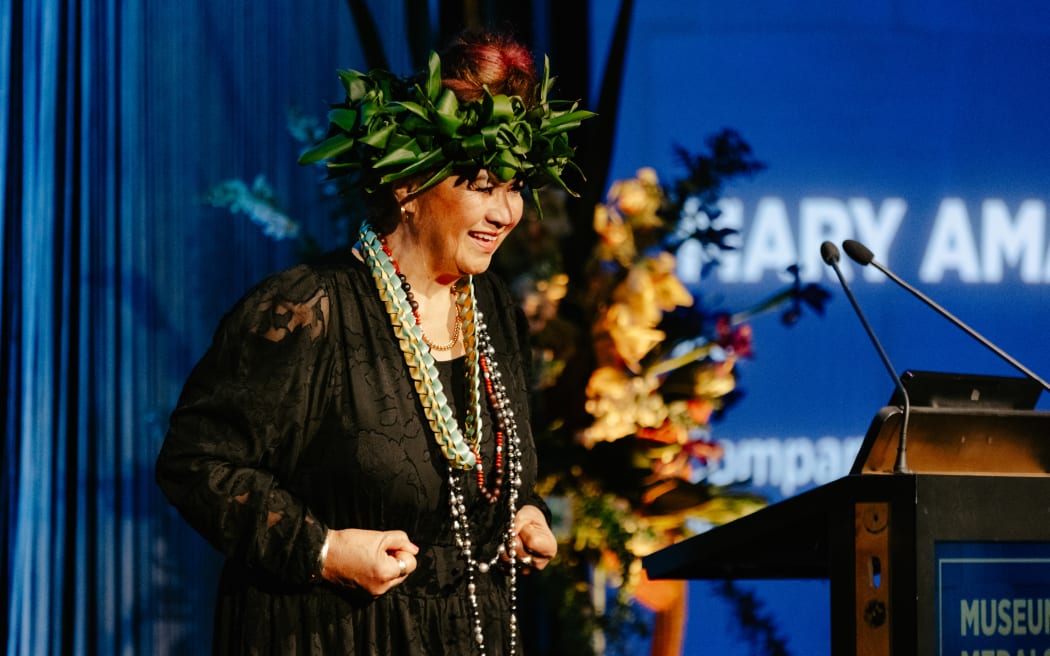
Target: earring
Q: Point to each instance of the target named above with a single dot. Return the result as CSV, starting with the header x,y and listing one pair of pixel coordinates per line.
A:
x,y
404,213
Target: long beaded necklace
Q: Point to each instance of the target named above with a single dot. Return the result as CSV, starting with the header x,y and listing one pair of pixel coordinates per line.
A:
x,y
399,305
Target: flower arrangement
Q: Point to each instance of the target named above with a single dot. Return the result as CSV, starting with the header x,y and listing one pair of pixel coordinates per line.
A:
x,y
656,369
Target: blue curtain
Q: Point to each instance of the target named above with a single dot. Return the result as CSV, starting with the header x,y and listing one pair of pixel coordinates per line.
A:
x,y
115,118
73,360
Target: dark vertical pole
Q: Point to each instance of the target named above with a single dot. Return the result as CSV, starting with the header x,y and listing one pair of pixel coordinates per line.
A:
x,y
452,19
570,47
422,35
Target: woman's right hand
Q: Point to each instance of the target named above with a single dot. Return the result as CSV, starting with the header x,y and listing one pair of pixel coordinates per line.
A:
x,y
373,561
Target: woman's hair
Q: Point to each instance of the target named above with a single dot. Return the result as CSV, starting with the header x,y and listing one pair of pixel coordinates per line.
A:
x,y
472,62
475,60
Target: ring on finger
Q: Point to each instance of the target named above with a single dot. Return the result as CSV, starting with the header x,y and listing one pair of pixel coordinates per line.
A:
x,y
526,560
402,567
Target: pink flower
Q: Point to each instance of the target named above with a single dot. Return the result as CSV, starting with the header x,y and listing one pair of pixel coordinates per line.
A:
x,y
736,340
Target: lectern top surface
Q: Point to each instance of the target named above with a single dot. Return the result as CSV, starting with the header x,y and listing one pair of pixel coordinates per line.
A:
x,y
938,389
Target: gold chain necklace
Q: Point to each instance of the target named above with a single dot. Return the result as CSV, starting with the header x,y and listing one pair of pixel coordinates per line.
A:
x,y
455,329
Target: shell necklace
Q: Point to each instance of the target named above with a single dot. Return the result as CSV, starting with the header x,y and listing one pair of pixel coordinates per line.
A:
x,y
460,455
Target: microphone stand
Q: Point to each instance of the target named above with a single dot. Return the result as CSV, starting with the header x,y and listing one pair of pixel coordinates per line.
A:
x,y
830,253
861,255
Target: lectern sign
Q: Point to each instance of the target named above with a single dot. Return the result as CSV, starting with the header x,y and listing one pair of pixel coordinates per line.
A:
x,y
993,598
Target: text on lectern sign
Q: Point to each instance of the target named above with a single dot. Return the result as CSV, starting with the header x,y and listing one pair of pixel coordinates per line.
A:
x,y
993,598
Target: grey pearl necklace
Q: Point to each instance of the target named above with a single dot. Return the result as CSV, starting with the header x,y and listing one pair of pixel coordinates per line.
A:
x,y
458,508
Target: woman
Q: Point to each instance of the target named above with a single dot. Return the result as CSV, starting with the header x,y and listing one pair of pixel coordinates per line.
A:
x,y
355,440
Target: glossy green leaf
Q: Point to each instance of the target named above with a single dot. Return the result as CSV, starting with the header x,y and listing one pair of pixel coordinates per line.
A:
x,y
355,84
378,139
433,75
327,149
407,153
447,115
414,108
345,119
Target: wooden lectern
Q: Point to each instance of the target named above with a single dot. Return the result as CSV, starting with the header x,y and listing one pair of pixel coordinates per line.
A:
x,y
951,557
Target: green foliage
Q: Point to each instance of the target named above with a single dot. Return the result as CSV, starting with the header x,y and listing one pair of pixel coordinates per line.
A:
x,y
390,131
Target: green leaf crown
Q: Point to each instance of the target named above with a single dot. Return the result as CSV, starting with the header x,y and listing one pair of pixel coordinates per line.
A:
x,y
390,130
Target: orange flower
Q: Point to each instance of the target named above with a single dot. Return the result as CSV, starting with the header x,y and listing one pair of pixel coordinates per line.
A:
x,y
667,432
700,410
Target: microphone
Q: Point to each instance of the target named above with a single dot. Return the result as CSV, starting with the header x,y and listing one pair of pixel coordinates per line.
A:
x,y
860,254
830,253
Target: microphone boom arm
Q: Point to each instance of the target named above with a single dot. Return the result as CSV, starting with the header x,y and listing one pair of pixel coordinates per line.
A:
x,y
958,322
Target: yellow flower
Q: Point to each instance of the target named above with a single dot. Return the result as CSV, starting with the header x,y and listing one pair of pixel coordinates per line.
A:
x,y
632,197
644,542
647,174
616,238
668,290
638,199
620,404
638,294
651,288
631,333
715,382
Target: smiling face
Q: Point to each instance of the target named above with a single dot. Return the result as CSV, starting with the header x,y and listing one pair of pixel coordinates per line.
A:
x,y
454,228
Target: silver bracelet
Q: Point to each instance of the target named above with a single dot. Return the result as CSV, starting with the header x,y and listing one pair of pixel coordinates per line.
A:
x,y
323,555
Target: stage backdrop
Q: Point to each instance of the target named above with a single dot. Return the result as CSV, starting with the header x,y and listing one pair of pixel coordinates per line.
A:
x,y
914,127
919,129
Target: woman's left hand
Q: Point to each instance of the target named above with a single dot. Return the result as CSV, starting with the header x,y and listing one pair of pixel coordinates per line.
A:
x,y
536,544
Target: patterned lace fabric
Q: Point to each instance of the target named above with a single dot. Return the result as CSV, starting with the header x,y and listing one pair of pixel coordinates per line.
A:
x,y
301,416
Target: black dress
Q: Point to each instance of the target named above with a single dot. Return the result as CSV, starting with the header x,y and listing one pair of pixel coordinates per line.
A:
x,y
302,416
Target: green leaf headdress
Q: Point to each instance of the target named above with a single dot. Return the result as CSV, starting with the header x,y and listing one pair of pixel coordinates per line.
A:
x,y
389,130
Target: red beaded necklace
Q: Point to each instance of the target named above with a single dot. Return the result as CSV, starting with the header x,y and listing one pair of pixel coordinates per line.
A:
x,y
494,390
498,409
414,304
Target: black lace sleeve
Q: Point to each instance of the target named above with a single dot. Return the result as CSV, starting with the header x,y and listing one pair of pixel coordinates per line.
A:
x,y
247,410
